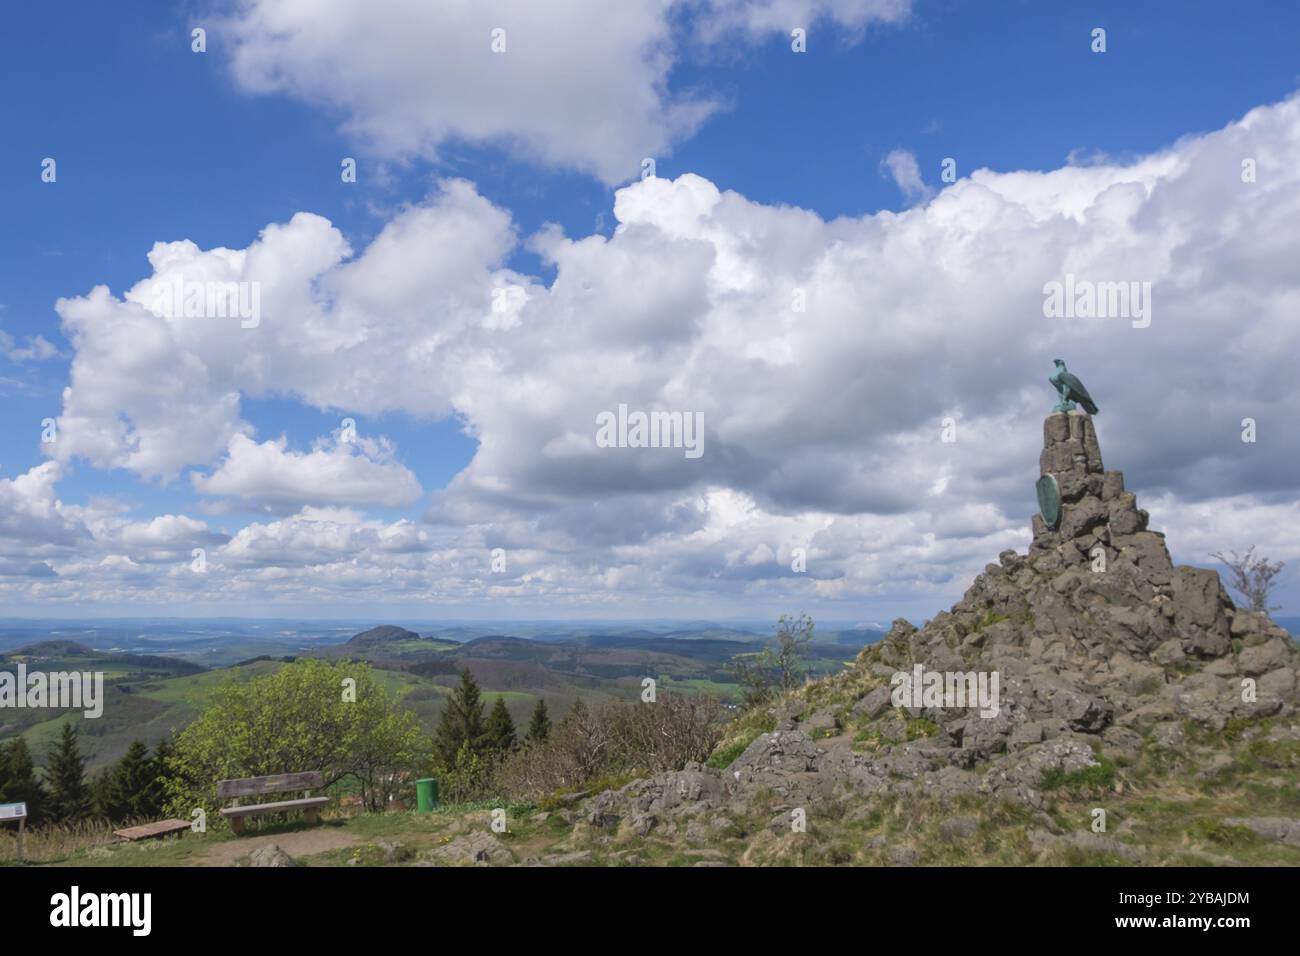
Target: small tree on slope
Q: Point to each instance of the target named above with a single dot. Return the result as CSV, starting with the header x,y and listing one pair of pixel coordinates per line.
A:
x,y
69,792
1252,577
461,722
500,729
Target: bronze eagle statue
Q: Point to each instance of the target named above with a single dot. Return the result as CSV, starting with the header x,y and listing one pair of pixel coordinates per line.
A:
x,y
1071,390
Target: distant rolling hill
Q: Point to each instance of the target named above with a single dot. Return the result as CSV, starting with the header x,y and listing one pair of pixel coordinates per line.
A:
x,y
129,710
594,665
149,696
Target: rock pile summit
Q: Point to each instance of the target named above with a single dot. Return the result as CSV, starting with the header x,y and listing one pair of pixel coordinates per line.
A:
x,y
1101,646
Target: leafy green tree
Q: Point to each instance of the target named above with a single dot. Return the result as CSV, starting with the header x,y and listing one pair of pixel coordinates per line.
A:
x,y
388,746
18,780
500,729
66,770
461,722
130,789
539,727
306,716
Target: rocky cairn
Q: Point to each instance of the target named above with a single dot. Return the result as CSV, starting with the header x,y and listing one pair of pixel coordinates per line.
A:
x,y
1100,643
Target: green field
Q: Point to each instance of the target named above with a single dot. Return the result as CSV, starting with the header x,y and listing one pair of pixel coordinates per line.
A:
x,y
195,691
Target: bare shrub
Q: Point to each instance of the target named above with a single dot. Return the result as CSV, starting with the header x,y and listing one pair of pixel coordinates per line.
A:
x,y
591,743
1252,577
668,734
779,668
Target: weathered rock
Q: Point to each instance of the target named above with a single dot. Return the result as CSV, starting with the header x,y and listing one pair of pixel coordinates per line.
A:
x,y
477,848
1082,517
1257,660
640,824
604,810
669,794
1169,653
1100,843
1274,829
875,703
1168,734
1121,741
1026,735
1112,485
270,855
1124,516
577,858
1280,683
777,754
820,724
393,851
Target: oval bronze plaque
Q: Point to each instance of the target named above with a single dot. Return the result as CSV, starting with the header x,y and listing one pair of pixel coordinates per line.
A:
x,y
1049,500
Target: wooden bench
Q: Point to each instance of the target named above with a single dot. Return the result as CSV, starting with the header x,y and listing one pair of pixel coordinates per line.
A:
x,y
147,830
277,783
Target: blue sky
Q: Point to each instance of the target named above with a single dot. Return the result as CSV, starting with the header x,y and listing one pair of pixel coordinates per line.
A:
x,y
157,143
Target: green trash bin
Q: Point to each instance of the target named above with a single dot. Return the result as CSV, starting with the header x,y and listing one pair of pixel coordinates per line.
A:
x,y
426,794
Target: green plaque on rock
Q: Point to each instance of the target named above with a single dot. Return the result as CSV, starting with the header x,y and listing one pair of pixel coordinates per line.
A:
x,y
1049,500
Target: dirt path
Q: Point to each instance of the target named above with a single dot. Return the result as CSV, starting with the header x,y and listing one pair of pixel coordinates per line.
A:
x,y
303,843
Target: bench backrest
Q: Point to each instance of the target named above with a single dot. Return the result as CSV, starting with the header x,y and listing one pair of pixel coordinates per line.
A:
x,y
276,783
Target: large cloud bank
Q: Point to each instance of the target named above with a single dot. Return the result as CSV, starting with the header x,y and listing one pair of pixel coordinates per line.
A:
x,y
825,358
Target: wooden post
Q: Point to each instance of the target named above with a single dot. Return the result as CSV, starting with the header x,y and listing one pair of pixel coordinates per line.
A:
x,y
22,822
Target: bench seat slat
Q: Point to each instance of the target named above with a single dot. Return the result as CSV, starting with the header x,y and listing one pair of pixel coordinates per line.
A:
x,y
152,829
255,809
276,783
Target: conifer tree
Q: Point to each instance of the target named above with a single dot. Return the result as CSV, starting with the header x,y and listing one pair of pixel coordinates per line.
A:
x,y
539,728
69,794
129,790
18,780
461,722
500,728
157,800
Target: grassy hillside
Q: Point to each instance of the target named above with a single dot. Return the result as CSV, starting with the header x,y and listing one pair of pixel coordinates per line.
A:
x,y
1166,807
150,696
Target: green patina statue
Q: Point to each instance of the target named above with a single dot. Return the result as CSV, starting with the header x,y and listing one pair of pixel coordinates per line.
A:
x,y
1071,390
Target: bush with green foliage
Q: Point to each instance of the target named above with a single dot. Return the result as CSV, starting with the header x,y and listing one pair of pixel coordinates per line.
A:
x,y
303,717
471,776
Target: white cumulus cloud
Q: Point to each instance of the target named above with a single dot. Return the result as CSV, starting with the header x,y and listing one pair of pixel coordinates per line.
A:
x,y
580,84
358,472
825,356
